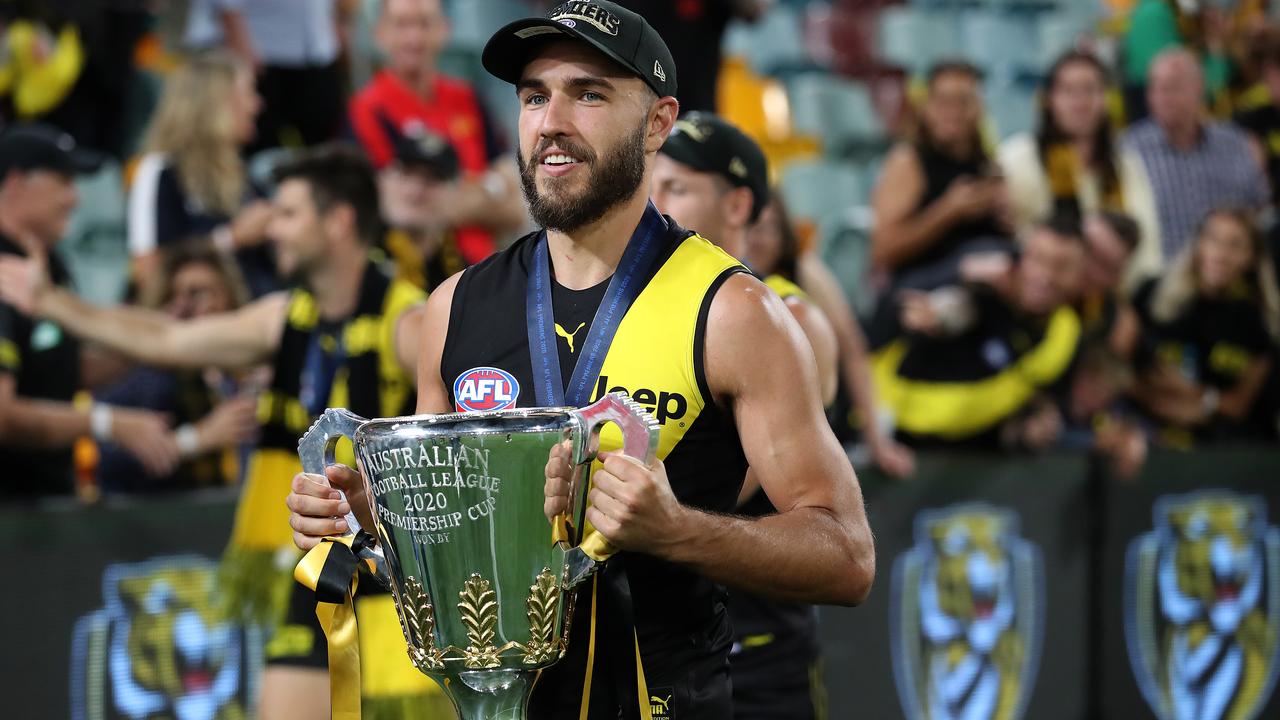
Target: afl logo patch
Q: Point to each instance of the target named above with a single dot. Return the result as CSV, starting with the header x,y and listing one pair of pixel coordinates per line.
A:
x,y
485,388
567,22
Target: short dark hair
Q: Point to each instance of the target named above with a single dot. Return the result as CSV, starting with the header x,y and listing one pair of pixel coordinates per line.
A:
x,y
337,173
1124,226
953,66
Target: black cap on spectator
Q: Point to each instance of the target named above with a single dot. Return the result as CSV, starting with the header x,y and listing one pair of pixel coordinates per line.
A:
x,y
708,143
619,33
418,147
33,146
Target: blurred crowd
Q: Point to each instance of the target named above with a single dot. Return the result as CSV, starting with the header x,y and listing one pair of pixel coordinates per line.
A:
x,y
1104,283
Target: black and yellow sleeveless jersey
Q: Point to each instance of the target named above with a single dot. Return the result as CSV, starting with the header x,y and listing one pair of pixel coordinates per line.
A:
x,y
959,390
399,251
657,357
785,287
369,381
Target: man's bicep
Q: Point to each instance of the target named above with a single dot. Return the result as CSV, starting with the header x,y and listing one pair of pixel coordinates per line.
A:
x,y
758,358
432,394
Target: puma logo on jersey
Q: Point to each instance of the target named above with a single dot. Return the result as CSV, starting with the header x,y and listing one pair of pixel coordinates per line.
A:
x,y
662,405
568,336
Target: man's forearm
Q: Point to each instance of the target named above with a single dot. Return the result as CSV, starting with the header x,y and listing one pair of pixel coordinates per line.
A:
x,y
42,424
804,555
133,332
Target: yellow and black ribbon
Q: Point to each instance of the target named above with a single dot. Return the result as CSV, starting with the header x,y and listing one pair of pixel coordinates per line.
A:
x,y
332,570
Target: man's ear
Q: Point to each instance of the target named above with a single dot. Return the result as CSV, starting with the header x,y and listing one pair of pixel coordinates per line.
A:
x,y
737,207
340,221
662,117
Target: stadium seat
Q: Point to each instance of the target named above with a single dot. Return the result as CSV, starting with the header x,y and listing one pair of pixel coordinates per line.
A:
x,y
817,189
774,42
1056,33
95,248
915,40
1000,43
475,20
838,111
845,245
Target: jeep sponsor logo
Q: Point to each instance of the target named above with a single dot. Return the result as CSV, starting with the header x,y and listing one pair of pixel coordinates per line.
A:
x,y
662,405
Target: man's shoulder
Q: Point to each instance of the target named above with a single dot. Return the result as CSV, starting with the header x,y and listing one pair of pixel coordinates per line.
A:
x,y
1227,135
1143,132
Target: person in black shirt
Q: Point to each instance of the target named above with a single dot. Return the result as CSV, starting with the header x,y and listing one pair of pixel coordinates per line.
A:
x,y
596,87
420,245
940,196
979,364
693,29
1209,328
1263,121
39,363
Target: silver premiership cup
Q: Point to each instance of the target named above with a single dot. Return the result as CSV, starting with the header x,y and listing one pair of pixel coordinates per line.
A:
x,y
481,579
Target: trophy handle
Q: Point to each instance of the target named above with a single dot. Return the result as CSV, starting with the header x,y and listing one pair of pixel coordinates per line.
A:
x,y
640,435
316,451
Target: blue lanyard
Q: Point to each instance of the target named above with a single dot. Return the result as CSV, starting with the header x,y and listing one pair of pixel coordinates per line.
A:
x,y
625,286
319,370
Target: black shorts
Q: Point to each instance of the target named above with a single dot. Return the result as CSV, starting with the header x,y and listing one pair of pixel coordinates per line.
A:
x,y
780,680
686,675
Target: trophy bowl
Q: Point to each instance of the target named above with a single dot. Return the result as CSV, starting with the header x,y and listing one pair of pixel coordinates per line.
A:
x,y
482,579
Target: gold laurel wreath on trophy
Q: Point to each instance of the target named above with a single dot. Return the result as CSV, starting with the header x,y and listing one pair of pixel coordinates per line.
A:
x,y
478,607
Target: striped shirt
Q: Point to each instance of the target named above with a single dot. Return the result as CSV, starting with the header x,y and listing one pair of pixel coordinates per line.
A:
x,y
1218,171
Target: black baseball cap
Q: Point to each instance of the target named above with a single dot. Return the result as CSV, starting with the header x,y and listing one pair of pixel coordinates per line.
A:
x,y
619,33
708,143
35,146
415,146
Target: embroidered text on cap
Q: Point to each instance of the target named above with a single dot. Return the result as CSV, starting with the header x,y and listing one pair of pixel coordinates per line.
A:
x,y
601,19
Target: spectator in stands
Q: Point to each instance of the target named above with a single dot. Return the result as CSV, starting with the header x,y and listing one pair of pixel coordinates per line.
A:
x,y
425,167
1072,163
1095,417
219,23
773,248
294,46
1263,121
1106,317
1158,26
694,30
412,94
979,364
1209,328
39,362
197,281
940,196
1195,165
190,181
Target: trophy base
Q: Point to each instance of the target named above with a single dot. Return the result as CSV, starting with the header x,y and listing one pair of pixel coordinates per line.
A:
x,y
490,694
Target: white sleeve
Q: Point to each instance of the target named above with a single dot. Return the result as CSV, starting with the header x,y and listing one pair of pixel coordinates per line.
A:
x,y
142,204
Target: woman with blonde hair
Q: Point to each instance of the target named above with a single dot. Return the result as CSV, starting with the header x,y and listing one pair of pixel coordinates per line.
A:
x,y
190,179
1209,332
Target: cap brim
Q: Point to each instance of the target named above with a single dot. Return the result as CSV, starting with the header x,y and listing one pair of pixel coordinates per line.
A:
x,y
508,50
85,162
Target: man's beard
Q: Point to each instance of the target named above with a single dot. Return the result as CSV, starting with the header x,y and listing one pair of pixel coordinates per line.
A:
x,y
609,184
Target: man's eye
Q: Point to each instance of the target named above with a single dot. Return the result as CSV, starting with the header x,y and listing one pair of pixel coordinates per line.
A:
x,y
591,96
535,99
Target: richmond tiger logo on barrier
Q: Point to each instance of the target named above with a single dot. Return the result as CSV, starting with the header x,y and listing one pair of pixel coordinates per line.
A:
x,y
1201,604
160,647
967,616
